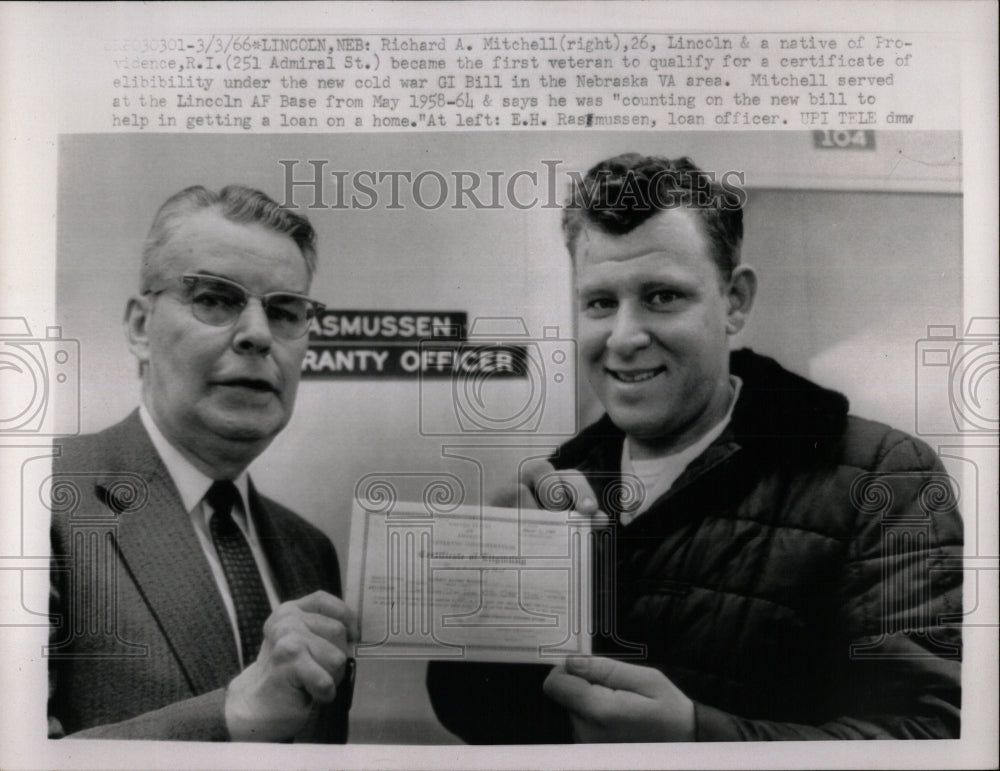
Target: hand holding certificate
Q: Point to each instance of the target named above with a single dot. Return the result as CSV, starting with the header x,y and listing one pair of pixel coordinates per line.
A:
x,y
473,583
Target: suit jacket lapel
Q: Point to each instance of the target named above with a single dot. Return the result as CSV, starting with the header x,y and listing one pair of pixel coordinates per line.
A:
x,y
288,573
162,552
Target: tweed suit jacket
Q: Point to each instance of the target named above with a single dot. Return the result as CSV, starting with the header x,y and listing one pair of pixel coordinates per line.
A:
x,y
141,646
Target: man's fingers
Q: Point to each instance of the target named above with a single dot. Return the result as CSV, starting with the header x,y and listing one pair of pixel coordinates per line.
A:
x,y
616,675
327,628
542,486
574,693
563,688
314,679
559,490
322,602
584,498
291,629
326,604
295,648
329,656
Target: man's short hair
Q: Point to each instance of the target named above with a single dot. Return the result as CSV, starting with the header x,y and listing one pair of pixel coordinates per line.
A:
x,y
619,194
236,203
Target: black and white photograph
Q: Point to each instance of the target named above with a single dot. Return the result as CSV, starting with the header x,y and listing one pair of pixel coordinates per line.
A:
x,y
382,387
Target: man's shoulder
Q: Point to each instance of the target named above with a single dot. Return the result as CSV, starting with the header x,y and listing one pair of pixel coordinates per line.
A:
x,y
792,408
778,407
96,452
871,445
96,474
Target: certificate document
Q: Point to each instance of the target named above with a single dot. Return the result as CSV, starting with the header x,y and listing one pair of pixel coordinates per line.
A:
x,y
474,583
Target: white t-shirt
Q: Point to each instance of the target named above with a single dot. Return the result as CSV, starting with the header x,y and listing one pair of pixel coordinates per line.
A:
x,y
656,475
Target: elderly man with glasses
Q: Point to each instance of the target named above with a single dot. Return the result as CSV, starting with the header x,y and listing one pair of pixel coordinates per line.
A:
x,y
186,605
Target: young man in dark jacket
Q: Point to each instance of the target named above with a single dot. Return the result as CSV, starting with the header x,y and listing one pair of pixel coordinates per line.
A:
x,y
774,568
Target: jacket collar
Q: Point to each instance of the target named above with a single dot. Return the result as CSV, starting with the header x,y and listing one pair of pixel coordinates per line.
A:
x,y
293,577
136,456
781,409
157,542
779,415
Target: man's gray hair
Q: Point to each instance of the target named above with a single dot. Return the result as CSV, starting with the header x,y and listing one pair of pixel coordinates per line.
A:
x,y
236,203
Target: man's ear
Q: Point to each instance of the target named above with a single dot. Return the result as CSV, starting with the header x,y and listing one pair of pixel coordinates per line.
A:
x,y
740,294
137,313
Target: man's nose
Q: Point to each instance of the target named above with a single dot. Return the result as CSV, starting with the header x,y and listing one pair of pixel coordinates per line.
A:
x,y
628,333
253,332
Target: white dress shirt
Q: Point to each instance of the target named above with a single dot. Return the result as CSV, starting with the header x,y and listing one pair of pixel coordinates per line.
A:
x,y
658,474
192,486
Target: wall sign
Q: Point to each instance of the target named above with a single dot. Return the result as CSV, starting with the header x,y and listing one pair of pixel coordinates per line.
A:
x,y
405,344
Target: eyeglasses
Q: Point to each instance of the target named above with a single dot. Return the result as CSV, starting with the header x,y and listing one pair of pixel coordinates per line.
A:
x,y
219,302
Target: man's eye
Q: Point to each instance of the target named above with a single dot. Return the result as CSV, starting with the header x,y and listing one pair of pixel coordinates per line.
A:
x,y
599,305
286,311
662,298
216,299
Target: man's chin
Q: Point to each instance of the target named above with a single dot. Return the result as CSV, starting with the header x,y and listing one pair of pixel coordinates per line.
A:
x,y
247,427
638,424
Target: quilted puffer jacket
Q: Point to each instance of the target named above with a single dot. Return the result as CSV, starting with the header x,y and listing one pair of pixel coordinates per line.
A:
x,y
800,580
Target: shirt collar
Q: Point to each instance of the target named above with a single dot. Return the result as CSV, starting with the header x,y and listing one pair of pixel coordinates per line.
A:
x,y
191,483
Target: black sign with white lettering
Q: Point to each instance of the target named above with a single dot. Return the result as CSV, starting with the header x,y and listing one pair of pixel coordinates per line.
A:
x,y
400,327
405,344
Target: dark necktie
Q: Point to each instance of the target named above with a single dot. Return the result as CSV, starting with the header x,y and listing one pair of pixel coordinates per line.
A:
x,y
245,585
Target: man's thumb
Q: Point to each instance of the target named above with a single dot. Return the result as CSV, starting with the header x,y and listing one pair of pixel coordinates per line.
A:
x,y
610,673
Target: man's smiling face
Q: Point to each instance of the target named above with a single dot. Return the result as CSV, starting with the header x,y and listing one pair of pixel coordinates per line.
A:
x,y
654,321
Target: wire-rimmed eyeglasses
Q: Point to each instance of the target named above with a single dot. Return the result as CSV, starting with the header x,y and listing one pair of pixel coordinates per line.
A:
x,y
219,302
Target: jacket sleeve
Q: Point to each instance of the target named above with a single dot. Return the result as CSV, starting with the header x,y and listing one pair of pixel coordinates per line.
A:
x,y
899,605
201,718
484,703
